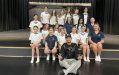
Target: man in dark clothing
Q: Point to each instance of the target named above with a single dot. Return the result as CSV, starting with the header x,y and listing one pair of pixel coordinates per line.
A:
x,y
68,57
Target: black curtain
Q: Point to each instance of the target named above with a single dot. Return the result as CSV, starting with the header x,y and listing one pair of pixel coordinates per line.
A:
x,y
106,13
13,14
111,17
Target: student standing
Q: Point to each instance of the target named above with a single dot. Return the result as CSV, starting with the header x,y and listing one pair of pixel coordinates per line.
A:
x,y
76,17
45,16
68,25
53,18
61,18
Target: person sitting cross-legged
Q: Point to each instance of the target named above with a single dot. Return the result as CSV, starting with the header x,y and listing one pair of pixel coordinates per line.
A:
x,y
69,57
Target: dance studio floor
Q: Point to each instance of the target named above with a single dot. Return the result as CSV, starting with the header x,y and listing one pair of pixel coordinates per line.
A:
x,y
21,66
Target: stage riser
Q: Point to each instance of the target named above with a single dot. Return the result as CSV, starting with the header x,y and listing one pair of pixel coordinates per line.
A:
x,y
19,52
25,43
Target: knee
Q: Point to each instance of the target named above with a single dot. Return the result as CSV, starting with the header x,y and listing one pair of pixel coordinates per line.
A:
x,y
54,51
46,51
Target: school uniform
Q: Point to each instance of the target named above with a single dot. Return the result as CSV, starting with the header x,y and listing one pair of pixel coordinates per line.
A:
x,y
53,21
61,39
75,38
86,18
35,37
61,20
79,27
45,17
51,40
75,19
34,23
90,27
68,27
96,37
83,37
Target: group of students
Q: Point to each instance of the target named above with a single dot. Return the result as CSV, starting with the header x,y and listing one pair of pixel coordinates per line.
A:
x,y
63,35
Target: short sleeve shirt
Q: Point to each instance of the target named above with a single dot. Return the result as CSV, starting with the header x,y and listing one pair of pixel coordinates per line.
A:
x,y
35,23
45,17
51,40
36,37
83,36
96,37
75,38
61,39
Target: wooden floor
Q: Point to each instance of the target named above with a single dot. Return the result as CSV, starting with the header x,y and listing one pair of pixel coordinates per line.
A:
x,y
21,66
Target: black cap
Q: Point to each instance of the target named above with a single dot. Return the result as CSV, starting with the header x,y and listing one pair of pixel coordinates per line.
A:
x,y
67,35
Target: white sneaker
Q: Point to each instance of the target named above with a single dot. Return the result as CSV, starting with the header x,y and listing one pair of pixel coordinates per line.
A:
x,y
32,60
99,59
84,58
53,57
88,60
96,58
48,57
38,60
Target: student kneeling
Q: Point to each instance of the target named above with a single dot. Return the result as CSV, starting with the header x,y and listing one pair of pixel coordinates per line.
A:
x,y
68,57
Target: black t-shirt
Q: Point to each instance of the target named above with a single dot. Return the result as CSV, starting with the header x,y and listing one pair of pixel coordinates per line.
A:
x,y
69,51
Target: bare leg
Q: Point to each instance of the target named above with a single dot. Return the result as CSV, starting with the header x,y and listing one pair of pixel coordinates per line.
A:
x,y
84,52
37,52
33,53
88,53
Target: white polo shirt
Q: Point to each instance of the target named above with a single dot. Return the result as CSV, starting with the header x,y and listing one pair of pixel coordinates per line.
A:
x,y
61,39
61,20
36,37
45,17
56,33
45,33
35,23
32,24
85,18
53,20
75,19
83,37
75,38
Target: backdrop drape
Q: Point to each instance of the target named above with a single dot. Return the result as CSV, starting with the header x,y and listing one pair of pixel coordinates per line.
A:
x,y
14,13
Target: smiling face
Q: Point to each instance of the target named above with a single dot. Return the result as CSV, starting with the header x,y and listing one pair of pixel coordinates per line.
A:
x,y
68,39
96,27
51,31
83,28
35,29
74,30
